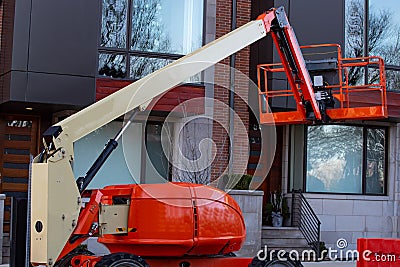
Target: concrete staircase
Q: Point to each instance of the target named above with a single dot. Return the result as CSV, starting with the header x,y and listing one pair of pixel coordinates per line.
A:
x,y
283,238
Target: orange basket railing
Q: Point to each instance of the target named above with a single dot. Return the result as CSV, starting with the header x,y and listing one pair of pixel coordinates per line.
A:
x,y
363,99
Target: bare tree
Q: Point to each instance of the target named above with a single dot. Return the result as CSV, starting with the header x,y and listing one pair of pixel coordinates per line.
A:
x,y
186,162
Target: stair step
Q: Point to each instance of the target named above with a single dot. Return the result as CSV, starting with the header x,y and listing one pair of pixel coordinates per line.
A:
x,y
288,239
286,243
281,233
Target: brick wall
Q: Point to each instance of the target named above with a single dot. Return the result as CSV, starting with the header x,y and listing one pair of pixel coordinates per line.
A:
x,y
1,21
222,76
166,102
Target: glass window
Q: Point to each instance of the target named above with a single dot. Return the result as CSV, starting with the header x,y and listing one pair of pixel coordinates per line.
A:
x,y
157,164
384,31
375,165
345,159
112,65
158,31
122,166
354,31
173,26
114,23
383,37
142,66
334,156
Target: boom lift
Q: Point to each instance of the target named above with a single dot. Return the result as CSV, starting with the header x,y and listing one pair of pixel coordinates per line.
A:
x,y
171,224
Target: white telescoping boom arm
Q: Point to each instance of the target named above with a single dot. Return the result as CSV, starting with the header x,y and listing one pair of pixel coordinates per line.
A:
x,y
55,198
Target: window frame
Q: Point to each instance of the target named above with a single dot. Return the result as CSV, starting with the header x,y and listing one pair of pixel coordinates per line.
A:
x,y
128,52
364,160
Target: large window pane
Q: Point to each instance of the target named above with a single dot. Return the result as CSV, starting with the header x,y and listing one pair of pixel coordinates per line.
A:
x,y
157,164
113,24
384,36
354,31
112,65
334,159
169,26
393,79
142,66
121,167
375,168
384,30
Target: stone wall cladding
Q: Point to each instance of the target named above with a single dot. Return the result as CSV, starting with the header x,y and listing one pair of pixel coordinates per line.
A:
x,y
353,217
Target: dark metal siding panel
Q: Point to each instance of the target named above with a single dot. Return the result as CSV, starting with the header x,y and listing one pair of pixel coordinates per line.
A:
x,y
55,52
314,22
60,89
20,47
5,80
317,21
19,83
64,37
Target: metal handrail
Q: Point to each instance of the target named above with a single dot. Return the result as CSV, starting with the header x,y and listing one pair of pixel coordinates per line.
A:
x,y
304,217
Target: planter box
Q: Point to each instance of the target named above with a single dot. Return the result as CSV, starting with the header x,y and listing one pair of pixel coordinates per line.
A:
x,y
250,202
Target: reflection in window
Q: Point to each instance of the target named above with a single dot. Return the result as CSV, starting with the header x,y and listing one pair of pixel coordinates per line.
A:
x,y
113,25
334,159
142,66
157,164
354,28
375,168
121,167
162,29
19,124
339,162
167,26
112,65
393,79
383,37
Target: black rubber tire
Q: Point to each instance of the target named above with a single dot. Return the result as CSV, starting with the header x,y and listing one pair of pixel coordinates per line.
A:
x,y
273,261
66,261
121,260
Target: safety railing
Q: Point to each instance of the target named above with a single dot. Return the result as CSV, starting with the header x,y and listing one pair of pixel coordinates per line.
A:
x,y
350,94
304,217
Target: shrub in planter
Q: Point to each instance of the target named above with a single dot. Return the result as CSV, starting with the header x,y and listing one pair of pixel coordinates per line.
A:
x,y
235,181
276,201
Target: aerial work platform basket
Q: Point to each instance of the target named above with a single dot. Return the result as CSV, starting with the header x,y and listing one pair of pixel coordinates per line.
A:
x,y
344,88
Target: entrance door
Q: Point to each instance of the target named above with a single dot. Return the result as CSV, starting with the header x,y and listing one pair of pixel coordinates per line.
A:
x,y
18,143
